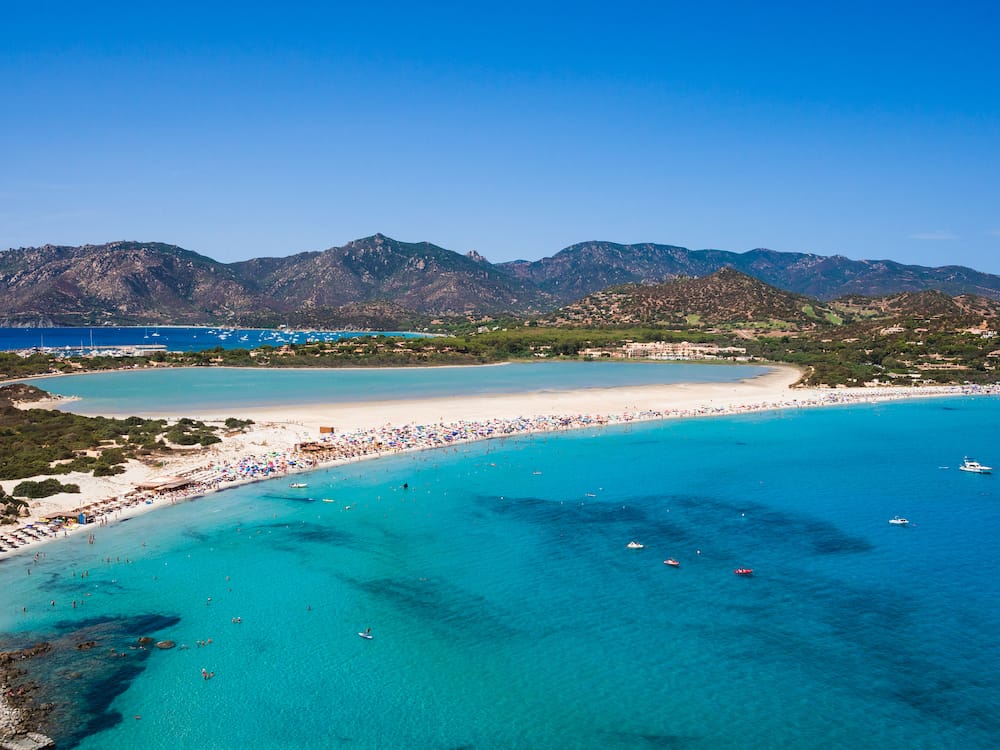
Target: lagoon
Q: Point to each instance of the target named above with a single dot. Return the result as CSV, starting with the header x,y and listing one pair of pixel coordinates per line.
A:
x,y
177,390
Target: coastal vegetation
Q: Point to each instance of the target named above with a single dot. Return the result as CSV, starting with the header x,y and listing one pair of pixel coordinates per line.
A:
x,y
45,442
889,350
44,488
912,337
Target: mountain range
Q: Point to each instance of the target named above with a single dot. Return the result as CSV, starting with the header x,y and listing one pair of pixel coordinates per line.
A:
x,y
379,282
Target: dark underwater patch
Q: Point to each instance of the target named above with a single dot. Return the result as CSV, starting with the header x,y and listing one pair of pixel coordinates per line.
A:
x,y
578,511
759,524
292,535
458,612
945,696
80,677
193,532
300,499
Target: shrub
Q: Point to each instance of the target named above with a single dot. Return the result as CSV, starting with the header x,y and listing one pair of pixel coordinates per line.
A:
x,y
45,488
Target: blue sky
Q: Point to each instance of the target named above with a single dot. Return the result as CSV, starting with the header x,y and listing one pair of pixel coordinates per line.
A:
x,y
240,130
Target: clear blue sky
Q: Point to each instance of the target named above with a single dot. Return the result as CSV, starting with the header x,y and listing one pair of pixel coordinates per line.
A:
x,y
251,129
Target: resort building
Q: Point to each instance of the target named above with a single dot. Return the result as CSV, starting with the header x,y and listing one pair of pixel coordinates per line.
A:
x,y
666,350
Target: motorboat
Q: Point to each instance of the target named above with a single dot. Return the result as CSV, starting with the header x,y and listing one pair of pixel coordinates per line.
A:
x,y
672,562
298,485
634,545
897,521
744,571
975,467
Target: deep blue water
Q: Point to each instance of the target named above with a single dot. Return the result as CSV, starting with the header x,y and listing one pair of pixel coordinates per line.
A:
x,y
174,338
508,613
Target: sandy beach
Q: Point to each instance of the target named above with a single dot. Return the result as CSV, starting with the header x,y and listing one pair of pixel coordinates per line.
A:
x,y
285,442
351,431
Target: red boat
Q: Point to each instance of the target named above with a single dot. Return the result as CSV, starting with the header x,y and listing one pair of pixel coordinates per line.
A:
x,y
671,561
744,571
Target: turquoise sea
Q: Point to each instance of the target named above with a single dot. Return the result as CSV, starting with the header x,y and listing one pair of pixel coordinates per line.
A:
x,y
508,613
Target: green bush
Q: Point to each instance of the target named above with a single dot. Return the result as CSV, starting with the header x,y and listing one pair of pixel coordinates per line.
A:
x,y
45,488
180,436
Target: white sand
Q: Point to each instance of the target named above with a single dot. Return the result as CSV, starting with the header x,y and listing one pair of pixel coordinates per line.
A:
x,y
371,414
279,429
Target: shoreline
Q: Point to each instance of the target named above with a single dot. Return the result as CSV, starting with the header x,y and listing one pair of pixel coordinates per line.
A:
x,y
345,432
286,443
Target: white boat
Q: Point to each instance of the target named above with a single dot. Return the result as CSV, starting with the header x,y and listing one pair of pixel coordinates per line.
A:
x,y
634,545
298,485
897,521
975,467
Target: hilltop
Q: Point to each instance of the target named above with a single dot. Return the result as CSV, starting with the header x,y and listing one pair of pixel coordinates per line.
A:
x,y
724,297
379,282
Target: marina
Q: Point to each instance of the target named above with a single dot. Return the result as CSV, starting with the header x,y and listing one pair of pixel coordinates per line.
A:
x,y
140,340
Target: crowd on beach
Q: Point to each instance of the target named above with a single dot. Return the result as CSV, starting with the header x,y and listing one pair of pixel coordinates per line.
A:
x,y
359,444
390,438
330,449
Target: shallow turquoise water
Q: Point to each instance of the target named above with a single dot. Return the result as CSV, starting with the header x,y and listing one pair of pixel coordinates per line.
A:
x,y
176,390
508,613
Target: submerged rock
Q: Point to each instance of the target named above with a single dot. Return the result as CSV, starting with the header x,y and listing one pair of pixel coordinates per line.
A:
x,y
27,741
